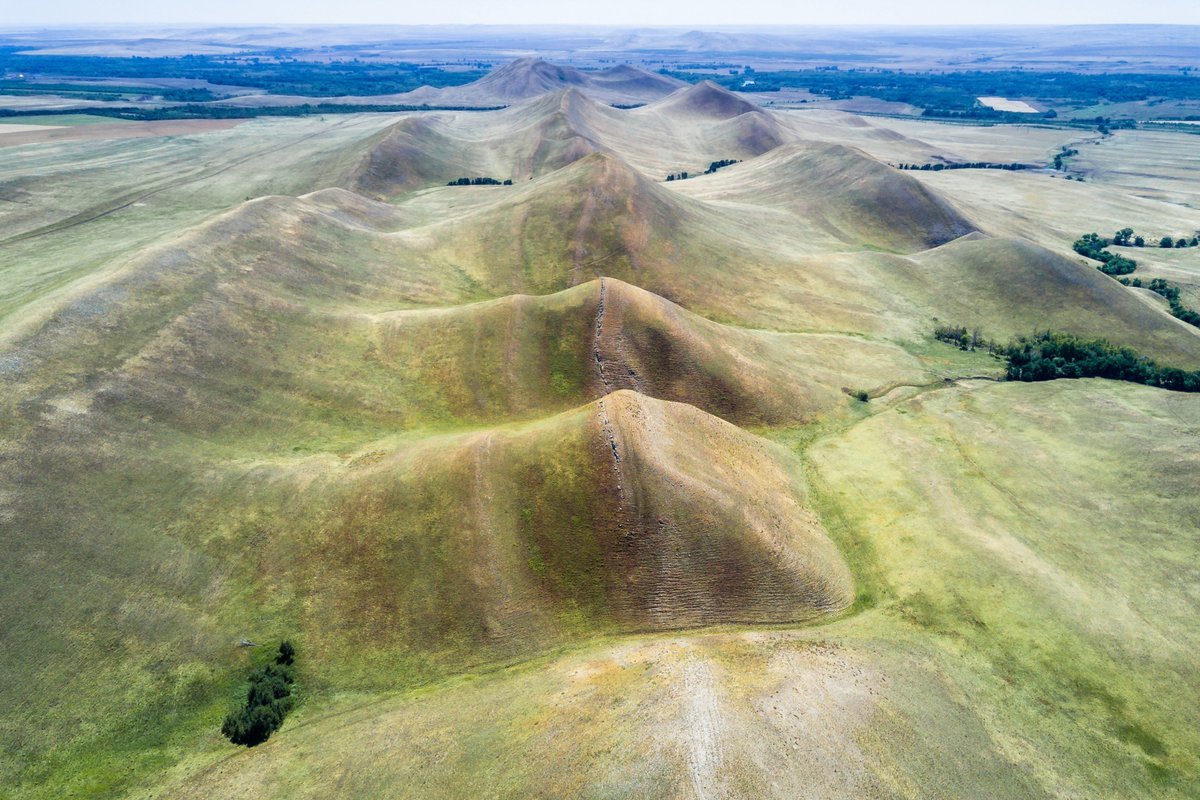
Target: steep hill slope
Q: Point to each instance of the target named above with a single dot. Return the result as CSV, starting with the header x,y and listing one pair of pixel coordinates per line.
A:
x,y
529,140
1009,287
684,132
394,562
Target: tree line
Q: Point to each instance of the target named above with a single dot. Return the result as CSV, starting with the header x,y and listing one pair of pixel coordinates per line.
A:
x,y
1116,266
713,167
237,112
275,70
957,93
1049,356
963,165
716,165
480,182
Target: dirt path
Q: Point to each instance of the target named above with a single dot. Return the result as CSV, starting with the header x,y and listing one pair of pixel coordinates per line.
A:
x,y
596,341
702,733
942,384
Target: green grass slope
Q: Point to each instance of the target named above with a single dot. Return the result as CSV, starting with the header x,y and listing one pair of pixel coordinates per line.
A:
x,y
1044,538
1008,287
391,564
845,193
526,141
1026,630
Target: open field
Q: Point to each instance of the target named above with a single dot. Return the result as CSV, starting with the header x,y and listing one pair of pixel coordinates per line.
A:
x,y
594,484
1006,104
7,128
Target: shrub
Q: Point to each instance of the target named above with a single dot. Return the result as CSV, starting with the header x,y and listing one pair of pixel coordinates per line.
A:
x,y
268,700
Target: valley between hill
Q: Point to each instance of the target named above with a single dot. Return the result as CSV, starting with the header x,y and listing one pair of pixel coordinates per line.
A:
x,y
561,487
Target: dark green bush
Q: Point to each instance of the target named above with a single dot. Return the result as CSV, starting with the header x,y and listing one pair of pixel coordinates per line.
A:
x,y
268,700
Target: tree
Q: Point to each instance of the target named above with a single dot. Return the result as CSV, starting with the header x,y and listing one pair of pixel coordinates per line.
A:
x,y
1165,242
1138,241
268,700
1121,237
1181,242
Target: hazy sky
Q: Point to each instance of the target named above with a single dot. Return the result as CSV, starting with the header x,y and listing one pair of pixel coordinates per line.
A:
x,y
603,12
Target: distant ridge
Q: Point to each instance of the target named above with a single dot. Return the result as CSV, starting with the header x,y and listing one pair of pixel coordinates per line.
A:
x,y
518,80
527,78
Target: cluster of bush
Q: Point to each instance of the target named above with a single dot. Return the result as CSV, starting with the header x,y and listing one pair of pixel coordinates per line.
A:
x,y
963,165
678,176
1171,293
1093,245
268,700
1046,356
480,182
1062,155
716,165
1112,264
964,339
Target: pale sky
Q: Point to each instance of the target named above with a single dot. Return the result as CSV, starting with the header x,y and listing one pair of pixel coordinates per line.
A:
x,y
601,12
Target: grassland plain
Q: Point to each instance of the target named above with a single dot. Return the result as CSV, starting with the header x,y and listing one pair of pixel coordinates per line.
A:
x,y
475,450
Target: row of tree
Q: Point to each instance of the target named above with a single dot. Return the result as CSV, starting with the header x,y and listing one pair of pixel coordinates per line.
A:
x,y
716,165
480,182
1171,293
268,700
1062,155
963,165
713,167
964,339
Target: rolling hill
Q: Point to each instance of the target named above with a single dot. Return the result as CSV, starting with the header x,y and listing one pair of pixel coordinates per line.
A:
x,y
593,484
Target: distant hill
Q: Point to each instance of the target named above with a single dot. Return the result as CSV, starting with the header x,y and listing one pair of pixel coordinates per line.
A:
x,y
517,80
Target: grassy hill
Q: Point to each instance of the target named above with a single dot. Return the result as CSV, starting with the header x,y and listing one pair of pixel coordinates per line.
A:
x,y
492,455
1009,623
